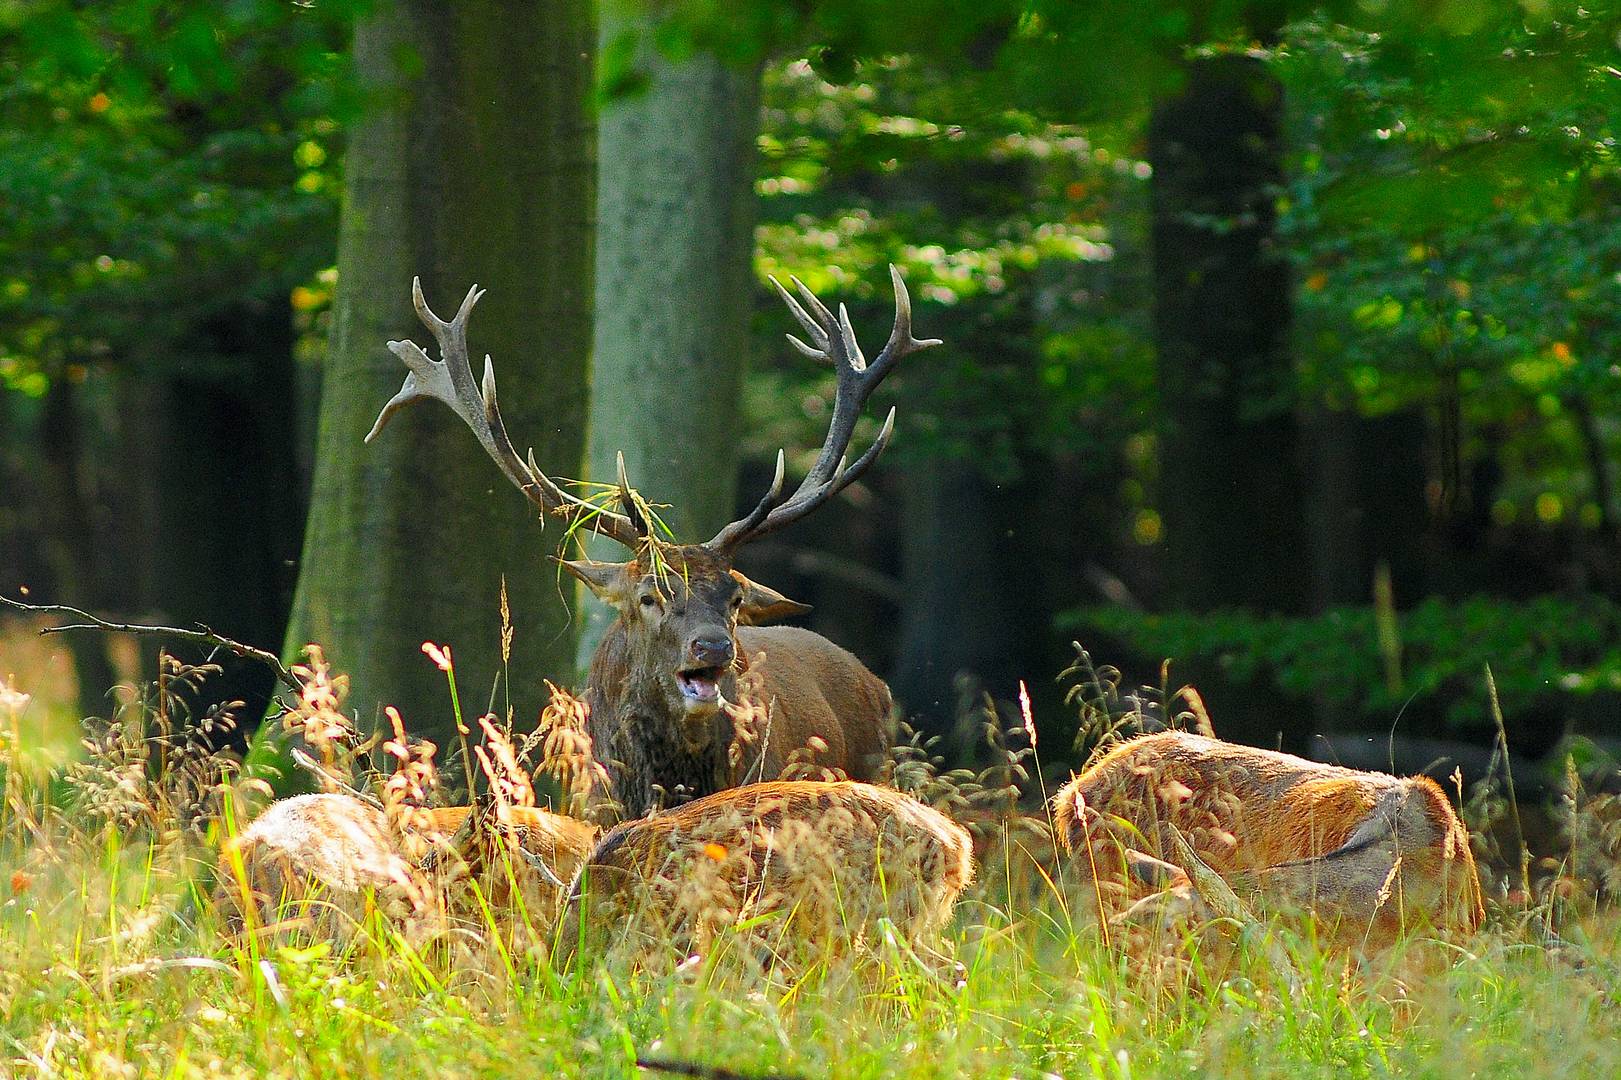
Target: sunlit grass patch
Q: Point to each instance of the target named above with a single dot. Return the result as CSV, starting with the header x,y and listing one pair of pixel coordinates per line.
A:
x,y
114,962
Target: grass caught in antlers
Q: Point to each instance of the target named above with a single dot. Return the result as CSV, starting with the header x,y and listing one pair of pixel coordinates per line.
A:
x,y
112,962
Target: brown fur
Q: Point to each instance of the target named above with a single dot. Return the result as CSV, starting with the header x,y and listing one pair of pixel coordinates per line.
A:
x,y
1363,849
327,860
659,750
813,688
499,858
829,858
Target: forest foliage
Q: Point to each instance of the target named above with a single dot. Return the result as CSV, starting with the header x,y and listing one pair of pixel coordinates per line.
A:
x,y
1447,214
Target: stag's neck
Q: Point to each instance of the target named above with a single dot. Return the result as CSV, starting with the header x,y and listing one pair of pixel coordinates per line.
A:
x,y
638,739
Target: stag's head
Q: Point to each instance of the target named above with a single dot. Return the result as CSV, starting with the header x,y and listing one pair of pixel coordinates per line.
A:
x,y
679,605
679,610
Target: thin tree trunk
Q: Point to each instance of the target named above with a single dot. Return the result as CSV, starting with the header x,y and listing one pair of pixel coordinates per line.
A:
x,y
1601,473
71,539
230,517
675,214
1232,491
476,165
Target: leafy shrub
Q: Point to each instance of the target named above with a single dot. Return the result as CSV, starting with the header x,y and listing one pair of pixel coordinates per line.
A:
x,y
1545,651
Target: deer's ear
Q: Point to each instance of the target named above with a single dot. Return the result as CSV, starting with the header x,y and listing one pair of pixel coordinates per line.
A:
x,y
605,579
762,605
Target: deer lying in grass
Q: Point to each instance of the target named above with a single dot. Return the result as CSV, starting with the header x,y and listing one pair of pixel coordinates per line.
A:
x,y
328,859
800,863
667,671
1368,853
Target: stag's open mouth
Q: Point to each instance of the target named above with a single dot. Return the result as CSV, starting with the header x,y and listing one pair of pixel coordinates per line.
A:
x,y
700,684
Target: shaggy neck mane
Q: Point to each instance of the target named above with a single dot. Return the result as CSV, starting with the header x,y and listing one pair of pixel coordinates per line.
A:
x,y
638,740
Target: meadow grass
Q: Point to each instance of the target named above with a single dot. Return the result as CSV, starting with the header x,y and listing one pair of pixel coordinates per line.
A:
x,y
114,962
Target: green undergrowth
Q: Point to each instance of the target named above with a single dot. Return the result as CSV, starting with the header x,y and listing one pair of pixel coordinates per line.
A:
x,y
112,964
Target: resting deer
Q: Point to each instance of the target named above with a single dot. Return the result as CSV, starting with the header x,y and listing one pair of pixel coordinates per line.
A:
x,y
330,858
668,668
821,862
1367,852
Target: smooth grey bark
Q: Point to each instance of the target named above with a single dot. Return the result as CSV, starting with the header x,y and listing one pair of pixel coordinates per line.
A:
x,y
475,165
675,221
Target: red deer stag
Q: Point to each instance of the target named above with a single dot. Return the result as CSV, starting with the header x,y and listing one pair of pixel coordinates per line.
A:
x,y
667,670
1369,853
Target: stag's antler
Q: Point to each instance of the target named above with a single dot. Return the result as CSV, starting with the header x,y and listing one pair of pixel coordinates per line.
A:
x,y
450,380
833,339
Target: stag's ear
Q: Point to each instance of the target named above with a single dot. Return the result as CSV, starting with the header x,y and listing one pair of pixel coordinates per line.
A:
x,y
605,579
762,605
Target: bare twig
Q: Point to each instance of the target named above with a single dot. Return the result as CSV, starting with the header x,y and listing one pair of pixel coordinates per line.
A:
x,y
199,635
310,765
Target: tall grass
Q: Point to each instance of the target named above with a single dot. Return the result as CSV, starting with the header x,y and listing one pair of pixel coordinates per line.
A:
x,y
113,963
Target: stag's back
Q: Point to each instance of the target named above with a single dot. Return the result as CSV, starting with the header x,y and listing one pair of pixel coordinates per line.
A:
x,y
813,688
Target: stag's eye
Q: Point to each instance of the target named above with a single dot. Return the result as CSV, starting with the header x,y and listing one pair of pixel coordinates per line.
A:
x,y
649,600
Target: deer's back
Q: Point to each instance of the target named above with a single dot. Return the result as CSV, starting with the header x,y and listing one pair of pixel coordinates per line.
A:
x,y
341,850
333,847
830,857
818,689
1241,807
562,842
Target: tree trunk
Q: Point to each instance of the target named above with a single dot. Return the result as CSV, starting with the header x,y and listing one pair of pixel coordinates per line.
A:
x,y
1231,489
71,539
1366,505
675,214
229,521
969,623
474,165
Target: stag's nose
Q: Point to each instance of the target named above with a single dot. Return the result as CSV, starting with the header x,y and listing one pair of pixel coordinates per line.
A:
x,y
711,650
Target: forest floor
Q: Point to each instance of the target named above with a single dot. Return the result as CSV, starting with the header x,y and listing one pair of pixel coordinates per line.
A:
x,y
114,962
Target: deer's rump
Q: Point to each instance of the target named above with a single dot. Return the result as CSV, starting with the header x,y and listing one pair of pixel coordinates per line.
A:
x,y
1357,845
811,688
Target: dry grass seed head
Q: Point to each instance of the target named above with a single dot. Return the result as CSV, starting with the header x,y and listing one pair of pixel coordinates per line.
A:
x,y
750,715
566,751
155,763
317,717
408,790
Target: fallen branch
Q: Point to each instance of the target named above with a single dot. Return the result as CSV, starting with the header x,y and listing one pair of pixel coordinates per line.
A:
x,y
705,1072
201,635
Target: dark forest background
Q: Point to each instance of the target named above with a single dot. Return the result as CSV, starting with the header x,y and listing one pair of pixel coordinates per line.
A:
x,y
1282,341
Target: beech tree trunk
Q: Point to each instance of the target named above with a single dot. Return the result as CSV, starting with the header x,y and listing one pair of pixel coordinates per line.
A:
x,y
474,164
1231,486
675,216
1232,493
199,505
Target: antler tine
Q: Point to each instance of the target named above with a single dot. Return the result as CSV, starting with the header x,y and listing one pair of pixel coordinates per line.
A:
x,y
450,380
818,336
627,497
833,338
742,527
901,342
